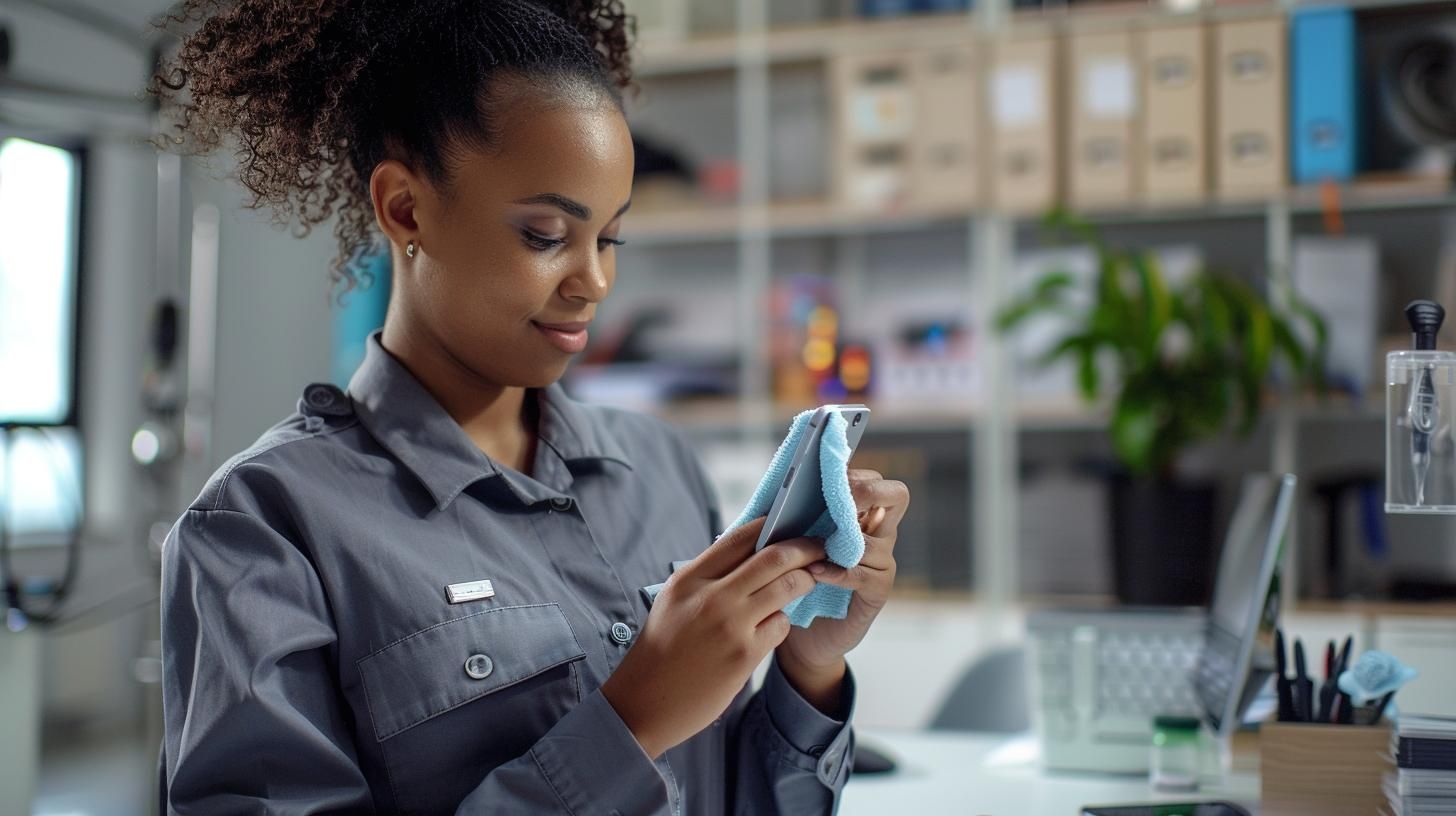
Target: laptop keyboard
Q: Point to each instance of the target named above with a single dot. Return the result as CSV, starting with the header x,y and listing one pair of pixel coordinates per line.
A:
x,y
1099,679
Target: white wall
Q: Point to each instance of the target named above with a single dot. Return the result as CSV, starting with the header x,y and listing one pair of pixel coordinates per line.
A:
x,y
273,322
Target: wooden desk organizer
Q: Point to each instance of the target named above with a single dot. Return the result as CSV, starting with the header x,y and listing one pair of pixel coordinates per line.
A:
x,y
1323,770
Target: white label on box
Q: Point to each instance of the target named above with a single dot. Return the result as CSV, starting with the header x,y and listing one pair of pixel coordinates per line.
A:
x,y
880,114
1107,90
1017,96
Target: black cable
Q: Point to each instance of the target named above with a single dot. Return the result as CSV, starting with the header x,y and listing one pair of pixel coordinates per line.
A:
x,y
138,600
18,616
60,474
14,605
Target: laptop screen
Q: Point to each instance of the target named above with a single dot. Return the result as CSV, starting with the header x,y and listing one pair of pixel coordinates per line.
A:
x,y
1225,680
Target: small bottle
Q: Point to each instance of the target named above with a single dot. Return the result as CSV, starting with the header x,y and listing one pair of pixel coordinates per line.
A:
x,y
1174,765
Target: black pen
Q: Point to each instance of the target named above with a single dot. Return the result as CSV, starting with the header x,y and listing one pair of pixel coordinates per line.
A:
x,y
1327,688
1303,687
1380,709
1343,711
1286,694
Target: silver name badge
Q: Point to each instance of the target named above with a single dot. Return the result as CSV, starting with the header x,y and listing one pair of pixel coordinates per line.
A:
x,y
468,591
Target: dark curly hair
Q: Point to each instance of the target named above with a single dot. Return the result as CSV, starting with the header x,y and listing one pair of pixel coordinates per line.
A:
x,y
318,92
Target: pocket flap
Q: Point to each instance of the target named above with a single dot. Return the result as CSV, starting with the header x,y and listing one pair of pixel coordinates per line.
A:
x,y
452,663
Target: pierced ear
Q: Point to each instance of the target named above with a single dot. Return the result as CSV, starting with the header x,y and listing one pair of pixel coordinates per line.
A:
x,y
392,189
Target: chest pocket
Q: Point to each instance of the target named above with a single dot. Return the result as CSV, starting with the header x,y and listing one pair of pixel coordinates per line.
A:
x,y
450,702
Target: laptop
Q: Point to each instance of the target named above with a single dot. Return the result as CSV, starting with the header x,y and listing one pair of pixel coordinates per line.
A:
x,y
1099,677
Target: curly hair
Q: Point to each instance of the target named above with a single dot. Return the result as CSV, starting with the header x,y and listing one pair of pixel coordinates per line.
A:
x,y
318,93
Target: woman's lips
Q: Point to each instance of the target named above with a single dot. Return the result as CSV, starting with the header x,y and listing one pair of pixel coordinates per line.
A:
x,y
569,337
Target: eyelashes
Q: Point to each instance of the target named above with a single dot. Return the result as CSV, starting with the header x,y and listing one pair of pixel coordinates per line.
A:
x,y
543,243
540,242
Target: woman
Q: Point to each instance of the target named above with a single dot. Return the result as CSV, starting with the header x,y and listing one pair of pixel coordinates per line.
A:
x,y
423,595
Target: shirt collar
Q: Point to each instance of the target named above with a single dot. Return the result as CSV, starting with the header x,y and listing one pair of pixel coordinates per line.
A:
x,y
412,425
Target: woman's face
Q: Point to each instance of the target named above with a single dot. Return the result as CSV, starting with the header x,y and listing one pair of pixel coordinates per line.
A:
x,y
514,264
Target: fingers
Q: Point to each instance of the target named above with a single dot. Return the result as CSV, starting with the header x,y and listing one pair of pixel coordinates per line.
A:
x,y
870,520
727,553
870,492
792,584
773,561
772,631
862,475
858,578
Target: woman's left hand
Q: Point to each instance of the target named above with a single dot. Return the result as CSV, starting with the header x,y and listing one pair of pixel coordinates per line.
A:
x,y
812,658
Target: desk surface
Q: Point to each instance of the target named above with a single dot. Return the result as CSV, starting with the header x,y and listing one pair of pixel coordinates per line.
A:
x,y
973,774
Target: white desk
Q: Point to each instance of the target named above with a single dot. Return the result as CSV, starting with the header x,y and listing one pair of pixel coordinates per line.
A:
x,y
974,774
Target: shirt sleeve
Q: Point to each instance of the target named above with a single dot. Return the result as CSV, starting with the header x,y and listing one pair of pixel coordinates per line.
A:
x,y
791,757
255,723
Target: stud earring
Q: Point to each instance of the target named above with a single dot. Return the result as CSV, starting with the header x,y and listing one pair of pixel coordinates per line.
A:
x,y
409,249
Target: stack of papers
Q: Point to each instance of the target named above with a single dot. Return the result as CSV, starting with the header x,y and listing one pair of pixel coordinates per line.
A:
x,y
1424,750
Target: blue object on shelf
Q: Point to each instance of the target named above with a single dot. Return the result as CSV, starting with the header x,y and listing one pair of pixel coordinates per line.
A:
x,y
942,5
1324,120
357,313
885,8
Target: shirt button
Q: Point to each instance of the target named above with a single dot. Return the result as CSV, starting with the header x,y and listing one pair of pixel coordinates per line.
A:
x,y
621,632
479,667
561,503
326,398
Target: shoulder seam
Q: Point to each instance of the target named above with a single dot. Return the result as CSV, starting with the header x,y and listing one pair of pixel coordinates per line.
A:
x,y
227,474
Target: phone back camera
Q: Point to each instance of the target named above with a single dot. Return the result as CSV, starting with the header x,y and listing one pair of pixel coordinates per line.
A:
x,y
857,418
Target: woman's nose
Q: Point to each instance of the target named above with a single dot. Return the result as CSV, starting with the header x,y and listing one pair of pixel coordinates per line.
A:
x,y
590,281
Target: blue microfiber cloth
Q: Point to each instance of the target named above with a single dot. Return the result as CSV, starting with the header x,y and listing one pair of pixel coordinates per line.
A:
x,y
839,526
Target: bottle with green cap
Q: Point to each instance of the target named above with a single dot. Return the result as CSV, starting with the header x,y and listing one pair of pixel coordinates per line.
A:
x,y
1175,759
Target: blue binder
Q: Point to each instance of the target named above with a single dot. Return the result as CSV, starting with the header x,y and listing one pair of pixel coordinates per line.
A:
x,y
1324,121
885,8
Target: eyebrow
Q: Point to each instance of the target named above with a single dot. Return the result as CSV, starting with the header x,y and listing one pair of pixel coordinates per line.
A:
x,y
571,207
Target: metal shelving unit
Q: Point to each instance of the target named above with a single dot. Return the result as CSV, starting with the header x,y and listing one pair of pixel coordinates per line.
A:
x,y
993,424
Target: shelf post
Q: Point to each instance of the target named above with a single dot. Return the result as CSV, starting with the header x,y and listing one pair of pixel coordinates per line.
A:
x,y
1284,441
994,493
755,256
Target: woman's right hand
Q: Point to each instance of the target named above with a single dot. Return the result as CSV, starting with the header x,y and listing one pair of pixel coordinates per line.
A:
x,y
711,625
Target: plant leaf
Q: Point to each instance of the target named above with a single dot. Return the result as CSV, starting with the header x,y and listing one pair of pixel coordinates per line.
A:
x,y
1046,295
1134,430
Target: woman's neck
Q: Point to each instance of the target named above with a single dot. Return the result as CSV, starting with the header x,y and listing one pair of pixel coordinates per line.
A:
x,y
498,419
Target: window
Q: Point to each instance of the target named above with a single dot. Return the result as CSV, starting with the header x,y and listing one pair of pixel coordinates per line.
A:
x,y
39,245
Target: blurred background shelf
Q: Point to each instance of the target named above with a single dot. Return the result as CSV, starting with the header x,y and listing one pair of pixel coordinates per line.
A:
x,y
796,162
696,223
1030,416
808,42
664,56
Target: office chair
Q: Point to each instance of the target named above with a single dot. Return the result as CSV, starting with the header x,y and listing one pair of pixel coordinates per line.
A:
x,y
990,696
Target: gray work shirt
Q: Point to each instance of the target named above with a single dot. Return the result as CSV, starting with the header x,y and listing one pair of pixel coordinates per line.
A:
x,y
313,662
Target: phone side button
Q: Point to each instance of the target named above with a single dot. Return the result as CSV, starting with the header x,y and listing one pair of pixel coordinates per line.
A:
x,y
788,477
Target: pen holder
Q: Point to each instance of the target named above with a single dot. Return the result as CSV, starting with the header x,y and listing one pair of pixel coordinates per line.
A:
x,y
1323,770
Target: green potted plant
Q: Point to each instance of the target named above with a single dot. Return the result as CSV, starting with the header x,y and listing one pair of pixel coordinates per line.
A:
x,y
1175,363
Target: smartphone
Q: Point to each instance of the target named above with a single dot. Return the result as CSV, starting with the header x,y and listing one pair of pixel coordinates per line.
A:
x,y
799,500
1187,809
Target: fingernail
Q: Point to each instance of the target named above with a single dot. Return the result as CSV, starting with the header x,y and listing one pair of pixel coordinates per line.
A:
x,y
816,568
